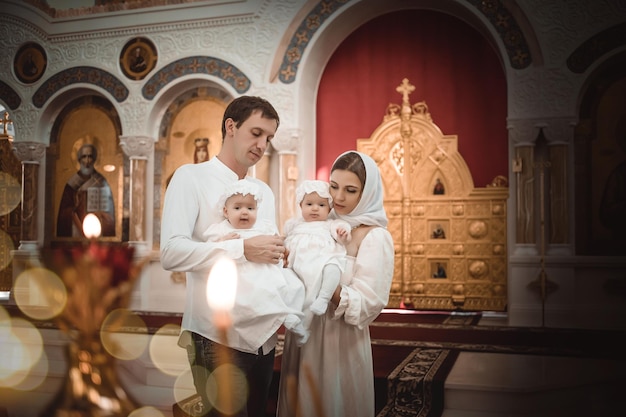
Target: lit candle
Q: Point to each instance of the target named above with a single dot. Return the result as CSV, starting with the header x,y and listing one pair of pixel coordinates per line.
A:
x,y
221,290
91,226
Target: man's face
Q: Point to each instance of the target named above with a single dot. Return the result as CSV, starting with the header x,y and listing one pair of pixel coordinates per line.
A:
x,y
241,211
86,161
314,208
250,140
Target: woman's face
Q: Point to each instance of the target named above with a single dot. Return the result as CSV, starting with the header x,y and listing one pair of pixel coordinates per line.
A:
x,y
202,154
345,189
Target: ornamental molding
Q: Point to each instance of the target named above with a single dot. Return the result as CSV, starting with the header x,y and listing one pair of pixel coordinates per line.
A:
x,y
29,151
287,140
137,147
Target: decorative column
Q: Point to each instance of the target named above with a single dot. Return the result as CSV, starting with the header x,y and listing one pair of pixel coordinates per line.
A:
x,y
286,143
523,134
559,134
30,154
138,149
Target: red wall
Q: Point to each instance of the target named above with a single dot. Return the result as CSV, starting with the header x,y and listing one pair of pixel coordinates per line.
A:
x,y
453,69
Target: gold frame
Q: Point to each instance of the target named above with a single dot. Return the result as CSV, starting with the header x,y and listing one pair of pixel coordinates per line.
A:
x,y
30,63
138,58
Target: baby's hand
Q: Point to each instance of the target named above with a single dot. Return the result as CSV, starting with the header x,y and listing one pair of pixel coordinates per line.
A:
x,y
343,236
230,236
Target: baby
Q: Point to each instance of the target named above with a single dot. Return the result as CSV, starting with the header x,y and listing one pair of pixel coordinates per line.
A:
x,y
263,289
316,245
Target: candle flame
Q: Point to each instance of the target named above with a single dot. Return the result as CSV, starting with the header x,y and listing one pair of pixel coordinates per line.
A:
x,y
91,226
222,285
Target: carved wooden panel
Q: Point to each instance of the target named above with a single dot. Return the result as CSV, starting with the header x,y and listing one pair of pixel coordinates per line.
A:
x,y
450,237
10,209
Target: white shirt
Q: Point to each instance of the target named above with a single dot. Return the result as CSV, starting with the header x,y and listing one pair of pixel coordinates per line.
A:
x,y
190,207
267,294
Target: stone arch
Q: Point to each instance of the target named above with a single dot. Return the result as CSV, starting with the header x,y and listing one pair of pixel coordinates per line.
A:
x,y
166,106
502,22
599,142
331,29
9,96
80,75
590,51
84,116
196,65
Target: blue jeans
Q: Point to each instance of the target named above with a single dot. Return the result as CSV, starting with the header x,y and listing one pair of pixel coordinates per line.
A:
x,y
204,357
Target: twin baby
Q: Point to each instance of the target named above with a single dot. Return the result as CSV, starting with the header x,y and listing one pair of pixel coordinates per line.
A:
x,y
315,260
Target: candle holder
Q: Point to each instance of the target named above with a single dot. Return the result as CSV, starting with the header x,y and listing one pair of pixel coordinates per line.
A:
x,y
99,279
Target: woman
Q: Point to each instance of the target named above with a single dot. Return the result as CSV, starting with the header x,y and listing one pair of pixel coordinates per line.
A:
x,y
332,374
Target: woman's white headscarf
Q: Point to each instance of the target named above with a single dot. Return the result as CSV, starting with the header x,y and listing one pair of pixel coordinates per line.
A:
x,y
369,211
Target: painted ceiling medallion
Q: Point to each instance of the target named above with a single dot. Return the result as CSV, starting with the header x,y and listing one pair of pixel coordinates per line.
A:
x,y
30,63
138,58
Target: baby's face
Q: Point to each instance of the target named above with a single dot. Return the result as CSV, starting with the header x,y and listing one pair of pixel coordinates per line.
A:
x,y
241,211
314,208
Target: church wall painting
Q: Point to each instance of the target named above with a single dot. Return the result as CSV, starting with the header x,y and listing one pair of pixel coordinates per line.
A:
x,y
190,133
609,176
88,171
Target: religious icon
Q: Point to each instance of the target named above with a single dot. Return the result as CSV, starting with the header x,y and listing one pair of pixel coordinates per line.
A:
x,y
87,191
438,189
138,58
439,270
613,203
438,232
30,63
201,150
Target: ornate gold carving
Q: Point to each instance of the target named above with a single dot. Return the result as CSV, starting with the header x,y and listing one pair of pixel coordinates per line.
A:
x,y
477,229
450,242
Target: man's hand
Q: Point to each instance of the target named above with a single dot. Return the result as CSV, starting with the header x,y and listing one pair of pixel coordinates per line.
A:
x,y
264,249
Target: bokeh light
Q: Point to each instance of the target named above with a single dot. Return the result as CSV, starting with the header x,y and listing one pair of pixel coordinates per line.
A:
x,y
22,347
6,246
165,352
4,317
235,395
146,412
183,386
36,376
40,293
11,195
124,334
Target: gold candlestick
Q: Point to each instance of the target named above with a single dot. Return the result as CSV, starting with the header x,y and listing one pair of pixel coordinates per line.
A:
x,y
98,279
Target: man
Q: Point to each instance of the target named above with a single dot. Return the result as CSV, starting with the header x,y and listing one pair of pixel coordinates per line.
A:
x,y
87,191
190,207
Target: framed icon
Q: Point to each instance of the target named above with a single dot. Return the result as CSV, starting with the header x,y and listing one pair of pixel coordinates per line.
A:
x,y
138,58
30,63
438,229
439,268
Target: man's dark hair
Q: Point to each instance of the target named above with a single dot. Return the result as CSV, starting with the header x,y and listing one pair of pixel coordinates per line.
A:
x,y
241,108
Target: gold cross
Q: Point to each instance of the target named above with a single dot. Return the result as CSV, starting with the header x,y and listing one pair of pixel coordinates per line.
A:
x,y
5,123
405,89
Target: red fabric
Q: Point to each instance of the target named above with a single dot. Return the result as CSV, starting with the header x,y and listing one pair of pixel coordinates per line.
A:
x,y
453,68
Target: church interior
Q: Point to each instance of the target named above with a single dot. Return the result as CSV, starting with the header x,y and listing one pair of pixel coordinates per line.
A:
x,y
499,128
